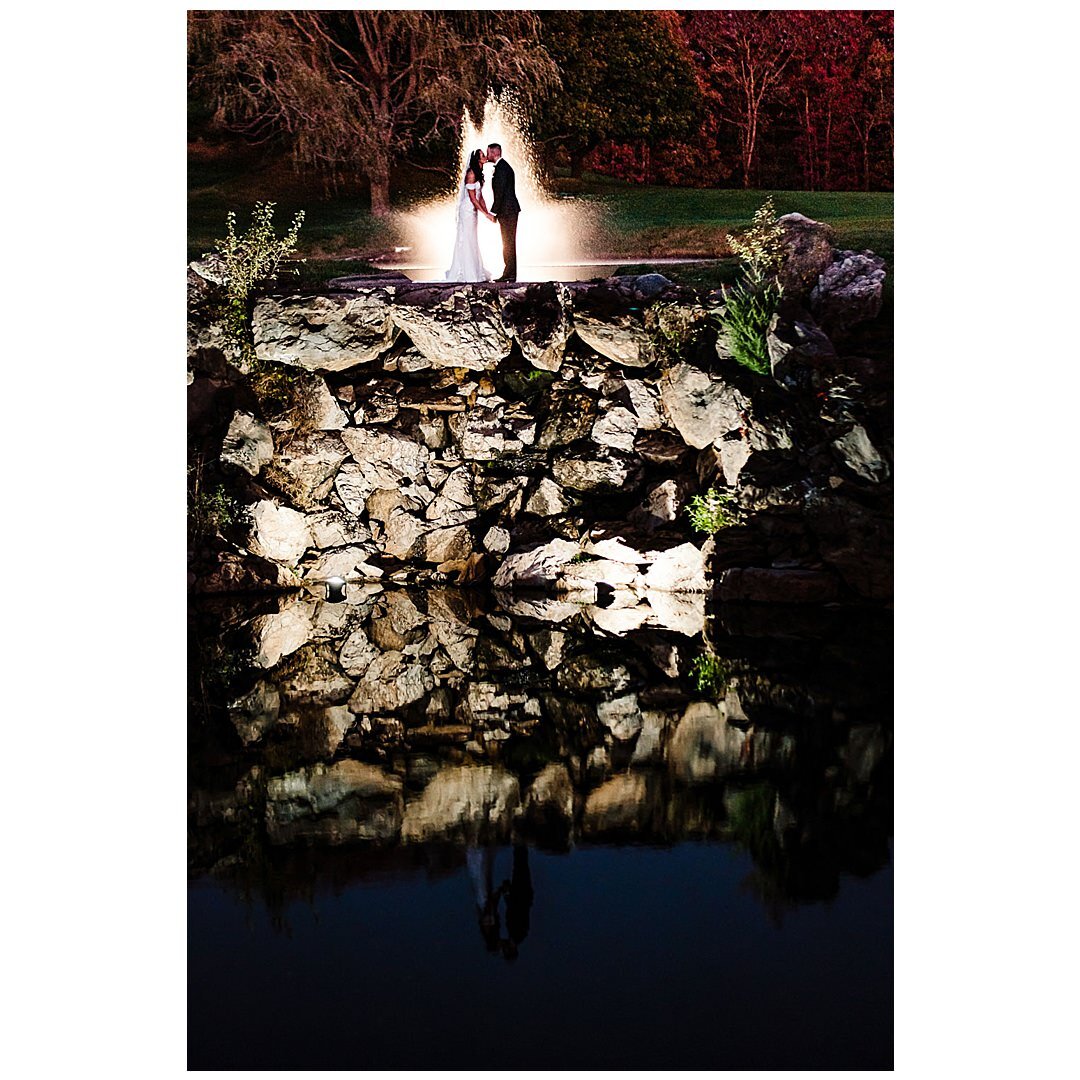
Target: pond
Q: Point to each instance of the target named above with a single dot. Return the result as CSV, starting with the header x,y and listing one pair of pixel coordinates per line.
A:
x,y
454,829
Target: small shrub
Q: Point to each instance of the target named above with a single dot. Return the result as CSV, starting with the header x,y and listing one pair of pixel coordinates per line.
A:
x,y
710,674
214,509
711,512
674,330
761,247
248,258
748,311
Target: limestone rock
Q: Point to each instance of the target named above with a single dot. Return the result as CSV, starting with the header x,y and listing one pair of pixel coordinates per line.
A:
x,y
390,684
386,458
537,568
279,634
704,746
538,321
304,469
248,444
703,408
798,348
496,540
571,418
357,653
593,474
332,529
278,533
457,328
343,562
858,454
451,544
808,250
849,291
483,434
621,716
621,338
680,569
546,500
323,333
616,429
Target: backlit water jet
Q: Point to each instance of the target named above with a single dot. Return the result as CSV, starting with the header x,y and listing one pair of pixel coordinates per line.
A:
x,y
552,232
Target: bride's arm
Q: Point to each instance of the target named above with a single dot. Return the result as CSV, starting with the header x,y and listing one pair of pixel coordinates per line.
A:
x,y
482,206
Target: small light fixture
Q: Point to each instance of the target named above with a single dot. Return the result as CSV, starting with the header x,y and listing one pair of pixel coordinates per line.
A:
x,y
335,590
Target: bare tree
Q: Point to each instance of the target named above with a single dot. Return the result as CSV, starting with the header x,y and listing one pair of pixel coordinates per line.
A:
x,y
352,90
743,54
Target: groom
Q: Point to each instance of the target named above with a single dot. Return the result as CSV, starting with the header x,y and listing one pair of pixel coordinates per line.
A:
x,y
505,207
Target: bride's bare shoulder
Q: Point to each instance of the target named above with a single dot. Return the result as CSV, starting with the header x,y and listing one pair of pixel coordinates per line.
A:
x,y
470,177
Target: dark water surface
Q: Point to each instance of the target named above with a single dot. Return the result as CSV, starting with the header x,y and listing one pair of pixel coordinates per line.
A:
x,y
640,835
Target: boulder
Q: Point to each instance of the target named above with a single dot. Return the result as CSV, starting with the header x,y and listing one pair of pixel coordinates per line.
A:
x,y
702,407
305,467
617,806
808,250
621,716
483,434
849,291
324,333
615,430
621,338
248,444
539,324
496,540
538,568
278,533
546,500
859,456
455,328
704,746
390,683
320,407
451,544
679,569
357,653
386,458
334,528
403,535
343,562
570,418
280,633
593,474
799,350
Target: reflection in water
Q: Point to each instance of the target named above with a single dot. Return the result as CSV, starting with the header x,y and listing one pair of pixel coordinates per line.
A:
x,y
516,891
401,736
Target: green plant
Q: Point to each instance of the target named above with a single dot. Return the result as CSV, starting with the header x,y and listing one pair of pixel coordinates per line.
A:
x,y
761,247
711,512
247,259
214,509
673,329
748,311
710,674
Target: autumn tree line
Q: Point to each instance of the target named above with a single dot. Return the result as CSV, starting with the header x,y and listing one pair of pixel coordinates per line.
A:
x,y
770,99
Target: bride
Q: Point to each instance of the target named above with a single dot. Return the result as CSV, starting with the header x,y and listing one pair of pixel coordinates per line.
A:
x,y
467,265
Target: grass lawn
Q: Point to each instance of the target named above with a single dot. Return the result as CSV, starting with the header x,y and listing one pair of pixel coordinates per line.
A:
x,y
640,222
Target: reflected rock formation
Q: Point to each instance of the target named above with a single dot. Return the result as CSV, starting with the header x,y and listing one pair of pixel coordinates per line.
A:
x,y
405,727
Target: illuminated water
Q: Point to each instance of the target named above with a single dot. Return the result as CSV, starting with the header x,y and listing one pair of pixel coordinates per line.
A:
x,y
494,876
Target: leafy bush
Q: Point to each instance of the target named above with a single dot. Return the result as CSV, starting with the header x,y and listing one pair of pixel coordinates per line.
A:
x,y
751,303
248,258
711,512
213,510
748,310
674,330
710,674
761,247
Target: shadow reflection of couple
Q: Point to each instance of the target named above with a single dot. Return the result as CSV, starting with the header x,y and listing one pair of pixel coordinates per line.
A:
x,y
517,891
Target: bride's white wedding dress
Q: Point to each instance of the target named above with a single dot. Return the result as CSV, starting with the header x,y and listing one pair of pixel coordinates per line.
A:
x,y
467,264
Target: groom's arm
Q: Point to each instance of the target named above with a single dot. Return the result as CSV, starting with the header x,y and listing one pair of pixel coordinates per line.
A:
x,y
496,192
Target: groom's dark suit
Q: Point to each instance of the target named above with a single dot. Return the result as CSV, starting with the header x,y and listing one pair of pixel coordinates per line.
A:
x,y
505,207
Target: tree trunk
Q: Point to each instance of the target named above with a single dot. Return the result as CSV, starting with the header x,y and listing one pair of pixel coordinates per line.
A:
x,y
379,178
577,163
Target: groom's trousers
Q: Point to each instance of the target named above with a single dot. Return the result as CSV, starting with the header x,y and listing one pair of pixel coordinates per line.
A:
x,y
508,227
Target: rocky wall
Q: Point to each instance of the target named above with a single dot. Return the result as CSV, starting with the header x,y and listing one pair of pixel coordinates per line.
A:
x,y
545,436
